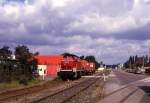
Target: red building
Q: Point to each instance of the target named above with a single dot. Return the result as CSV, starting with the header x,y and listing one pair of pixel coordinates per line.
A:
x,y
48,66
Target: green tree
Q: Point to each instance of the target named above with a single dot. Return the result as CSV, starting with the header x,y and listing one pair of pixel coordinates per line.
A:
x,y
5,64
5,53
136,58
92,59
149,60
26,65
146,59
69,54
82,57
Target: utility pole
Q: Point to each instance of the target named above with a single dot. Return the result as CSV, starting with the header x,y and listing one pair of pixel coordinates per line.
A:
x,y
143,62
130,64
129,50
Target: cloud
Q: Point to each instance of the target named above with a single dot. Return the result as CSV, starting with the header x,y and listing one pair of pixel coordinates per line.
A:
x,y
84,27
96,23
134,17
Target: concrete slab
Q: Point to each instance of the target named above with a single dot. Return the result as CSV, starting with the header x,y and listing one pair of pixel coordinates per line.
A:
x,y
119,96
111,84
115,92
138,97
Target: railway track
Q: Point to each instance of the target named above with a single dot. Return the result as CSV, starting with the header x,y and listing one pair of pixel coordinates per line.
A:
x,y
92,94
125,92
23,93
67,94
16,94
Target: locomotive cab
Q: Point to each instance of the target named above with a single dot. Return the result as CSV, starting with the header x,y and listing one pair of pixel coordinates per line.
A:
x,y
70,68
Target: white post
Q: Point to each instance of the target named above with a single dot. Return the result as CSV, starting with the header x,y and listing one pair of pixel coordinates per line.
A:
x,y
104,77
43,77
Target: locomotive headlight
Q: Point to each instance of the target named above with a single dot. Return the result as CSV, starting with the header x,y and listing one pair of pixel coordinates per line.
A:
x,y
74,69
91,65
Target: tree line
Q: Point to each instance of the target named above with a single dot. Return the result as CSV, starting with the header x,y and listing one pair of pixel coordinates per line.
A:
x,y
21,68
136,61
91,58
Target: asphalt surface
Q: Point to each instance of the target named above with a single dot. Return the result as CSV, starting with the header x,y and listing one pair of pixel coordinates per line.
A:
x,y
123,87
126,78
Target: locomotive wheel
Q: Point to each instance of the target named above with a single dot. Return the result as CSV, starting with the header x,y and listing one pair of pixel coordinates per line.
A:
x,y
79,75
64,78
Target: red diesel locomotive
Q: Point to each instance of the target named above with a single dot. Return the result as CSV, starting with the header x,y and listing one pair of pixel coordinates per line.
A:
x,y
72,67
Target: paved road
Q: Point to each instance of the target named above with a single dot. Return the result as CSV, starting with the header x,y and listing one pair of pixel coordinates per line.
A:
x,y
122,87
126,78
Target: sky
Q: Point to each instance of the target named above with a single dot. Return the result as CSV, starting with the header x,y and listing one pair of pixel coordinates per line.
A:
x,y
111,30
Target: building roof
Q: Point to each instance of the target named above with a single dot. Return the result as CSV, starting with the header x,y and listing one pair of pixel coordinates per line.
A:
x,y
49,60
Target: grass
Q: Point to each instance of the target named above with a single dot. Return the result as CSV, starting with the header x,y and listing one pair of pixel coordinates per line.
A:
x,y
34,82
15,84
55,82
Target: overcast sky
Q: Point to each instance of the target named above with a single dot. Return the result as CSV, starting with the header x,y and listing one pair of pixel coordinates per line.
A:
x,y
111,30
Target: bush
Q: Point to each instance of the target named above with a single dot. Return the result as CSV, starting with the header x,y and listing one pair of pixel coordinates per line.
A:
x,y
23,80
